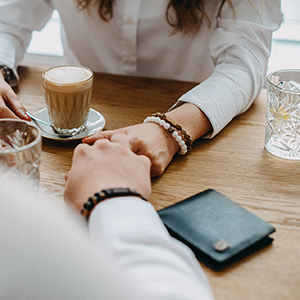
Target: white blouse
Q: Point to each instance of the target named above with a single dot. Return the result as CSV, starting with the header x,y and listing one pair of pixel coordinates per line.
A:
x,y
229,57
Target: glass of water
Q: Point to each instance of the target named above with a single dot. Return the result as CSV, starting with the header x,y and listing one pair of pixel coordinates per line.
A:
x,y
20,151
282,136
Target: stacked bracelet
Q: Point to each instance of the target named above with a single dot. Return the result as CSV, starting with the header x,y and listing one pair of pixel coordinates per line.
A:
x,y
104,194
179,134
181,130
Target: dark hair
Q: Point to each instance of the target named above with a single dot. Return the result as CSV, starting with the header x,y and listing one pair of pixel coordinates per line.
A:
x,y
190,14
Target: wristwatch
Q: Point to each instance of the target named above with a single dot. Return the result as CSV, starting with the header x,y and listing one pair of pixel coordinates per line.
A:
x,y
8,75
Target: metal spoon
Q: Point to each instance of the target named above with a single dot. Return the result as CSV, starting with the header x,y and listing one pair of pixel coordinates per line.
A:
x,y
61,135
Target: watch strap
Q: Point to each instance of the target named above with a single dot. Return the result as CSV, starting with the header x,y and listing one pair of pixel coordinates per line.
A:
x,y
8,75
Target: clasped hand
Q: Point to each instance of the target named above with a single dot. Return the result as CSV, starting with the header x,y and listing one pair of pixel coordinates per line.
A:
x,y
106,164
148,139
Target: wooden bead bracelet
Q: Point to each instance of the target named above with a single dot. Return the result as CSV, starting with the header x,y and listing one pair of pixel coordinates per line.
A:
x,y
177,131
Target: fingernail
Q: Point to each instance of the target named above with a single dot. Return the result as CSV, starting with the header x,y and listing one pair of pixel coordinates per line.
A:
x,y
25,116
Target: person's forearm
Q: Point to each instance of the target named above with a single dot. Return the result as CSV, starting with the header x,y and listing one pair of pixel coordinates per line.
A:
x,y
162,267
192,119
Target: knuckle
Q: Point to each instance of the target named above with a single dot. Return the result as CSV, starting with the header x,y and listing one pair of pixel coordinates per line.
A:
x,y
102,143
139,142
146,160
156,171
81,149
157,168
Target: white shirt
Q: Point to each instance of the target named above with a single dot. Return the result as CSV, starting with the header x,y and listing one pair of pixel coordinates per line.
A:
x,y
44,254
229,57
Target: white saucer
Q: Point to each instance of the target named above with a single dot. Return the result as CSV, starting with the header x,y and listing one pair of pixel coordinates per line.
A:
x,y
95,123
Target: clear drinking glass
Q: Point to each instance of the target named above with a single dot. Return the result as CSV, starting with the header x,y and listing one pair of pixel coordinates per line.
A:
x,y
282,136
20,151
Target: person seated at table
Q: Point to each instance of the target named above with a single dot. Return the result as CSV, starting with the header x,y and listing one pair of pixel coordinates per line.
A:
x,y
125,253
222,45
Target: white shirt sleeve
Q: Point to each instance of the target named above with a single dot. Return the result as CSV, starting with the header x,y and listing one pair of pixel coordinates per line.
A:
x,y
18,19
240,48
45,254
161,266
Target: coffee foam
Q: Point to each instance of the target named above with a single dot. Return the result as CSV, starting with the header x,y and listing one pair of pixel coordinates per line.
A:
x,y
68,74
68,78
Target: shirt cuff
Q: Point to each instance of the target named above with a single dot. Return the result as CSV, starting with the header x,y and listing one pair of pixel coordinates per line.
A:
x,y
120,216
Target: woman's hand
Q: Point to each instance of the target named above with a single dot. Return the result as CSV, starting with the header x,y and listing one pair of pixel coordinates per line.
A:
x,y
106,164
148,139
155,142
10,105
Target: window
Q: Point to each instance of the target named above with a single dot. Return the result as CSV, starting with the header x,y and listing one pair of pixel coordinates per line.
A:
x,y
286,40
45,47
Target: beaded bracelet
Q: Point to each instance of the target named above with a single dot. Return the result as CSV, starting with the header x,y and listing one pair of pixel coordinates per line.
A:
x,y
181,130
179,134
104,194
172,130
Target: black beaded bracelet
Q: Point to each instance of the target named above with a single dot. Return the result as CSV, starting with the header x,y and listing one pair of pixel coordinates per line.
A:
x,y
104,194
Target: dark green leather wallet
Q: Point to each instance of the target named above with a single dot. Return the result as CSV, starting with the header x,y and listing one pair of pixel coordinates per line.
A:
x,y
218,230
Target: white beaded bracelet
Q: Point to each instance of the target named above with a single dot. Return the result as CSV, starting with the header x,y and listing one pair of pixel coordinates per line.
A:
x,y
172,130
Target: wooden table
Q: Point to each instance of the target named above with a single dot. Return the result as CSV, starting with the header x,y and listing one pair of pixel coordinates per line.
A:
x,y
234,163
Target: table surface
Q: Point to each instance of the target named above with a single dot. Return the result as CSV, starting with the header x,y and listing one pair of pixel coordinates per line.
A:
x,y
234,163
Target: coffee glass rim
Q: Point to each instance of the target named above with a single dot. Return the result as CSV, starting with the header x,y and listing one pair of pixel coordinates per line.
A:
x,y
279,87
31,144
70,82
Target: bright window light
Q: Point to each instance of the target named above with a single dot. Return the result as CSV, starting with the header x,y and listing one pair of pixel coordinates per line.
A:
x,y
48,40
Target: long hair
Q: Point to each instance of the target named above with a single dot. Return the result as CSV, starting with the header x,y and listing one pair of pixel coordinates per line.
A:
x,y
189,14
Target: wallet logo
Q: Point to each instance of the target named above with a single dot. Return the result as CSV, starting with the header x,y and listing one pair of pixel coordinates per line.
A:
x,y
221,245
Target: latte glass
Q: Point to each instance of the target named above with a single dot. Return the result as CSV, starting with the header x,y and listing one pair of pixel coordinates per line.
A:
x,y
20,151
68,93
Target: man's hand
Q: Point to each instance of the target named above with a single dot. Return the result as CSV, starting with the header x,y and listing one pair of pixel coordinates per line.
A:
x,y
106,164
